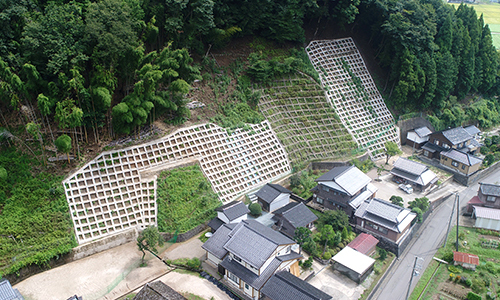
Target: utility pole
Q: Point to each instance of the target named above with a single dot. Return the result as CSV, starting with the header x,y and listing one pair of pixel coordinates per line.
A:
x,y
458,214
414,273
451,218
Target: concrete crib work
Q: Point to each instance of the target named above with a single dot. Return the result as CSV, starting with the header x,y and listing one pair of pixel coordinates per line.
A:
x,y
117,189
353,94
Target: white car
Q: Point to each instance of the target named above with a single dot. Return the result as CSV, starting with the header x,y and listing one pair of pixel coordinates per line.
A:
x,y
407,188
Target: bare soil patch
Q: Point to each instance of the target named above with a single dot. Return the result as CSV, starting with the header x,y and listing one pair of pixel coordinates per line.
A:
x,y
455,290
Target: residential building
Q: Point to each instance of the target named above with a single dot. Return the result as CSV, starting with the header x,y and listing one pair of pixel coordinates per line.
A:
x,y
233,212
9,293
474,132
466,260
460,162
364,243
353,264
417,137
486,218
215,246
273,196
384,219
432,151
285,286
343,188
292,216
454,138
253,253
414,173
488,195
158,290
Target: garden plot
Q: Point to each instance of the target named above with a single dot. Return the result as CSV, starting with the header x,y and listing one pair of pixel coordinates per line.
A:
x,y
303,119
353,94
117,190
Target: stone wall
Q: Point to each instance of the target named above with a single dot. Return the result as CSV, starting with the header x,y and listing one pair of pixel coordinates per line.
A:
x,y
182,237
468,180
407,125
328,165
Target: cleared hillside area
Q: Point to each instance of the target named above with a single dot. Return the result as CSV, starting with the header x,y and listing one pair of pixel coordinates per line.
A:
x,y
303,120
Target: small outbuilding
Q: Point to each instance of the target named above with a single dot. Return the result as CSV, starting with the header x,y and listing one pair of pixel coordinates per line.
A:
x,y
273,196
233,212
466,260
417,174
417,137
364,243
353,264
487,218
292,216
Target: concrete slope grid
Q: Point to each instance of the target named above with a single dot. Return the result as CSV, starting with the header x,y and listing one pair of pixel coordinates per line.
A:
x,y
353,94
117,189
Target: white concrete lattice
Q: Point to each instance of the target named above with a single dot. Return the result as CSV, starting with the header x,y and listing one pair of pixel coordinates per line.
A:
x,y
117,190
361,108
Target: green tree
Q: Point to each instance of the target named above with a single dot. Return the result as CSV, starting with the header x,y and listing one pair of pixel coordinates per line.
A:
x,y
3,173
302,235
255,209
397,200
63,144
423,203
338,219
391,149
34,130
382,254
327,234
148,240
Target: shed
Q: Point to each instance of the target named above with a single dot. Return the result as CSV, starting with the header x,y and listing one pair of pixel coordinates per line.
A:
x,y
353,264
292,216
158,290
232,212
487,218
466,260
364,243
418,136
273,196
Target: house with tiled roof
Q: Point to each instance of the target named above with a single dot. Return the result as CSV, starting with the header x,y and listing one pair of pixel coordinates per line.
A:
x,y
364,243
9,293
417,137
285,286
273,196
158,290
473,131
343,188
460,162
384,220
292,216
414,173
215,246
233,212
466,260
252,254
485,206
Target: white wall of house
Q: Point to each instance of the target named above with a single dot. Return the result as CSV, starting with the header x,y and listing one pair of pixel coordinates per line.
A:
x,y
212,259
282,250
223,217
412,136
487,224
280,201
237,220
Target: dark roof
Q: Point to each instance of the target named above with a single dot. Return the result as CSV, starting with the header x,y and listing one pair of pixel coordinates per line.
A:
x,y
215,244
285,286
462,157
348,180
297,214
215,223
157,290
233,210
264,241
472,130
410,166
363,243
75,297
271,191
490,189
8,293
431,147
422,131
333,173
456,135
386,214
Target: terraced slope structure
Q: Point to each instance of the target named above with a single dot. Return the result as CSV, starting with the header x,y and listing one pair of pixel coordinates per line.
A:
x,y
304,120
117,189
353,94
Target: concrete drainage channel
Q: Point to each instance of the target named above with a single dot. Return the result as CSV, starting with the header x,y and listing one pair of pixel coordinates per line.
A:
x,y
219,285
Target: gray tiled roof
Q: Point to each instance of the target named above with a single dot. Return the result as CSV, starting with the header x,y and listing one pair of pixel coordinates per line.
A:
x,y
157,290
349,180
285,286
410,166
423,131
297,214
490,189
215,244
457,135
233,210
270,191
8,293
462,157
431,147
333,173
383,213
215,223
472,130
264,241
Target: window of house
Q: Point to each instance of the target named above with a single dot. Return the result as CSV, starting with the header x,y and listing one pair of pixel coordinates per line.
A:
x,y
325,188
232,277
247,286
383,230
236,258
445,158
463,167
319,200
491,198
454,163
436,142
426,153
446,146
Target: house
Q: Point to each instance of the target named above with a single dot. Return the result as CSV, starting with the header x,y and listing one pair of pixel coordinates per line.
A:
x,y
473,131
253,253
9,293
343,188
233,212
292,216
417,174
384,219
460,162
353,264
454,138
285,286
417,137
215,246
431,150
158,290
488,195
466,260
273,196
364,243
486,218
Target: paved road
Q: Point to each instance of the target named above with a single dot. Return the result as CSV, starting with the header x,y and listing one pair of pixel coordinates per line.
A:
x,y
424,245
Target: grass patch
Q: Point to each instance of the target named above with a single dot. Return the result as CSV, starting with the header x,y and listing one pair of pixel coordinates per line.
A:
x,y
185,199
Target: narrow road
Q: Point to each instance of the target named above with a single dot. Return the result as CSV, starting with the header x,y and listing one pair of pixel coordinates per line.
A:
x,y
424,245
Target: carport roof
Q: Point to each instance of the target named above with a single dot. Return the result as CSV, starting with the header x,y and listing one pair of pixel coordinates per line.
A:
x,y
354,260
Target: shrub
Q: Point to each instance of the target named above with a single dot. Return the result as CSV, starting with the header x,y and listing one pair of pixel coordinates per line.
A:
x,y
306,264
453,269
382,254
491,267
478,286
255,209
377,270
327,256
468,282
473,296
448,256
418,211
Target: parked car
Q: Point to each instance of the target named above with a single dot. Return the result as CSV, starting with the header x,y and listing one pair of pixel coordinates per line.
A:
x,y
407,188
